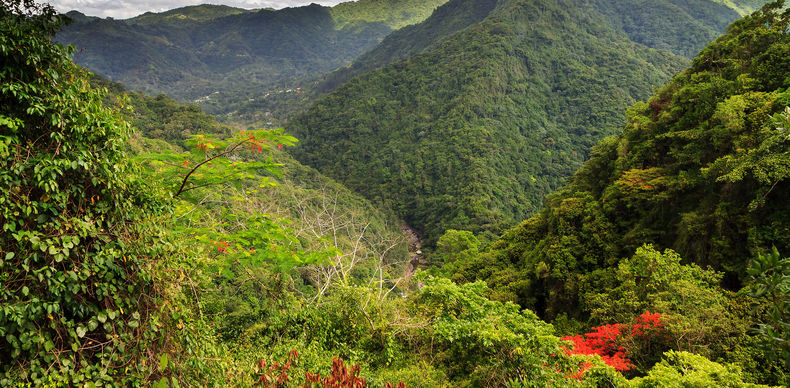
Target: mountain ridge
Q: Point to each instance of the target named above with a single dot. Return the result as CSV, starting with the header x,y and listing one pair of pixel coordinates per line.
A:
x,y
194,51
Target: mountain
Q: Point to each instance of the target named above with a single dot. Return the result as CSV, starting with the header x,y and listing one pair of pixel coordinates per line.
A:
x,y
475,127
194,51
743,7
180,16
691,26
449,18
701,168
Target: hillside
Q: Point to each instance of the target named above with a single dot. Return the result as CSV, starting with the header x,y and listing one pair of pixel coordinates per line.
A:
x,y
743,7
449,18
692,25
477,127
395,14
700,168
165,128
195,51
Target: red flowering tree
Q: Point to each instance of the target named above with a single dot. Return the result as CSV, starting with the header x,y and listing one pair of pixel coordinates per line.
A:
x,y
696,314
614,343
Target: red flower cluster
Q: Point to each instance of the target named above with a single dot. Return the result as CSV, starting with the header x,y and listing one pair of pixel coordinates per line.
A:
x,y
341,377
222,246
606,341
255,144
646,322
277,374
280,146
603,341
202,146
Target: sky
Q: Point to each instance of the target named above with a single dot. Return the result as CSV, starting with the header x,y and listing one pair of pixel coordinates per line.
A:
x,y
122,9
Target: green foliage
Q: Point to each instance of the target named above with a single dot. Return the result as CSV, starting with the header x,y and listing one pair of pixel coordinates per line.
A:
x,y
443,335
699,169
79,237
487,343
766,163
266,256
264,238
683,369
161,117
771,283
455,245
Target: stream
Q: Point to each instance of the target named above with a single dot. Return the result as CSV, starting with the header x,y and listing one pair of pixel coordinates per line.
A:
x,y
415,250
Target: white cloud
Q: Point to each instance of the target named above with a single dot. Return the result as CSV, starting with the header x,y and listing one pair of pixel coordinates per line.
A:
x,y
122,9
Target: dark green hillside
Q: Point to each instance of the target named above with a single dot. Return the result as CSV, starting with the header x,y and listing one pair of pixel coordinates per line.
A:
x,y
474,132
101,42
701,168
194,51
451,17
681,26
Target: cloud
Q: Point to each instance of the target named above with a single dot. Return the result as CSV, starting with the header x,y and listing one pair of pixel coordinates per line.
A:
x,y
122,9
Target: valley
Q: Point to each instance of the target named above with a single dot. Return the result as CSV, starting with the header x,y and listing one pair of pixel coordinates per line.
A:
x,y
444,193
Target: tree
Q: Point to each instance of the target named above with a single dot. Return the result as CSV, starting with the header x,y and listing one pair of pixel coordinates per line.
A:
x,y
771,276
78,230
696,312
683,369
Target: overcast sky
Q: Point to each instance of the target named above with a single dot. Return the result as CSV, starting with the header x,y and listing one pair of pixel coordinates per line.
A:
x,y
122,9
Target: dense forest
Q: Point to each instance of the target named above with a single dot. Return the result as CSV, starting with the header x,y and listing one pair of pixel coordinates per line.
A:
x,y
147,243
474,131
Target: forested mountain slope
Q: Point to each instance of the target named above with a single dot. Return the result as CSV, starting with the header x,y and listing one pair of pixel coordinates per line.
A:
x,y
681,26
453,16
475,130
701,168
678,26
690,27
194,51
